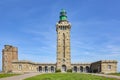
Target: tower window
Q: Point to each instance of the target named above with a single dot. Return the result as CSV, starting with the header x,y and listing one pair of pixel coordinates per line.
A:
x,y
60,28
63,60
65,27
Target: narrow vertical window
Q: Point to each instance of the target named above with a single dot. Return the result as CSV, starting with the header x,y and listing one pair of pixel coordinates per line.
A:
x,y
61,27
63,45
65,27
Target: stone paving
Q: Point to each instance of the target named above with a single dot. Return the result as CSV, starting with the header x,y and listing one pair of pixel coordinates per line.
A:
x,y
20,77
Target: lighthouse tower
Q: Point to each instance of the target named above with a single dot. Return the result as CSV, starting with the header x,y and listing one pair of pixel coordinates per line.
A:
x,y
63,42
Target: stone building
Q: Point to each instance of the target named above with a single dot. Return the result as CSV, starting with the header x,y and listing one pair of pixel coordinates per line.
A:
x,y
10,62
9,54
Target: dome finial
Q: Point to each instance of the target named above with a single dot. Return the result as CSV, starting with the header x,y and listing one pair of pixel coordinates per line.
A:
x,y
63,10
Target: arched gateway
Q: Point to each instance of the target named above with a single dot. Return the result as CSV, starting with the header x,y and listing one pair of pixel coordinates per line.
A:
x,y
64,68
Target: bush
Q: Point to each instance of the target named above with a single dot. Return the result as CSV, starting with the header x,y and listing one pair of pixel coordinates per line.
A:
x,y
69,70
58,70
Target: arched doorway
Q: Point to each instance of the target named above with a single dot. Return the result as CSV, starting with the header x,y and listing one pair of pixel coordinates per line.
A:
x,y
40,69
75,68
64,68
81,68
52,68
46,68
87,69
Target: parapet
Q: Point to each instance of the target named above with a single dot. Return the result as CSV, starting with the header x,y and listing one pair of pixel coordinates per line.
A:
x,y
106,61
10,48
7,46
110,61
30,62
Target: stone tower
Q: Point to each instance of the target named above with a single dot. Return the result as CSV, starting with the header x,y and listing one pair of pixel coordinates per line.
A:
x,y
63,43
9,54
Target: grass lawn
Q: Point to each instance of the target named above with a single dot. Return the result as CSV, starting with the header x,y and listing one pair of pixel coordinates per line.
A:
x,y
67,76
2,75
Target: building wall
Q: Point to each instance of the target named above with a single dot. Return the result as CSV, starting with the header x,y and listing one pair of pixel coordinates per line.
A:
x,y
104,66
10,63
25,67
9,54
109,66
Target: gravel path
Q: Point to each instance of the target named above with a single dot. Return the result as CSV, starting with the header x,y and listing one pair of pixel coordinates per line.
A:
x,y
20,77
109,76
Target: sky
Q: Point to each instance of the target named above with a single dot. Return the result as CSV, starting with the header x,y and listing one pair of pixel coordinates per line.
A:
x,y
30,25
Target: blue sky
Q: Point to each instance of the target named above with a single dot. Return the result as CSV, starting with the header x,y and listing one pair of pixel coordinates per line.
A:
x,y
30,26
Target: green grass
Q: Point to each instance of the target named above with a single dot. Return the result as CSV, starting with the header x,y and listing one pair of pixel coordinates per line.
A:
x,y
2,75
67,76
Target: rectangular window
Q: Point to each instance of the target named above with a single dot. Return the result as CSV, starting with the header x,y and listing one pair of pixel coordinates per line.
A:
x,y
20,67
109,67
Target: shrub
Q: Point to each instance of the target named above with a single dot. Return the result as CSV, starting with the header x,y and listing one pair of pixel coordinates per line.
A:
x,y
69,70
58,70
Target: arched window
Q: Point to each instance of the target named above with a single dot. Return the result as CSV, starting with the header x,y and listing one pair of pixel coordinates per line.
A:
x,y
87,69
40,68
75,68
52,68
46,68
81,69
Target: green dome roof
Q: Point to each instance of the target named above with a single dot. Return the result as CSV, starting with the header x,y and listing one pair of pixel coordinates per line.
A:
x,y
63,15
